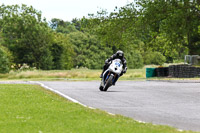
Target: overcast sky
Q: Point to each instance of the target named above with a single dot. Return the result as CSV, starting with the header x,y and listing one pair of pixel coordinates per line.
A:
x,y
68,9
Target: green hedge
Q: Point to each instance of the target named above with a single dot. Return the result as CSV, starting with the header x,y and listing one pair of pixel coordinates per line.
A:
x,y
4,60
155,58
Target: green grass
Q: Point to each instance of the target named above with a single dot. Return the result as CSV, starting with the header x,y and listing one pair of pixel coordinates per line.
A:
x,y
32,109
74,74
80,74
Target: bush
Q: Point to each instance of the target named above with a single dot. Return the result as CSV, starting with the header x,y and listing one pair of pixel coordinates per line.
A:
x,y
4,60
62,52
89,52
134,59
155,58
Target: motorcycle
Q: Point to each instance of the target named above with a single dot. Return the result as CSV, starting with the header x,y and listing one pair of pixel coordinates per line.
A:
x,y
111,74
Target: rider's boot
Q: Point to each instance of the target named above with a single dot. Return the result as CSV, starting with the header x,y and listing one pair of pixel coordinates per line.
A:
x,y
101,76
104,68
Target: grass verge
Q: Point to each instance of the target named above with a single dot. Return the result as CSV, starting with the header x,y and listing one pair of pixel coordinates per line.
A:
x,y
74,74
79,74
32,109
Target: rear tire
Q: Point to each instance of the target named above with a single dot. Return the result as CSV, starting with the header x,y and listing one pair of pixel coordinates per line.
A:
x,y
108,83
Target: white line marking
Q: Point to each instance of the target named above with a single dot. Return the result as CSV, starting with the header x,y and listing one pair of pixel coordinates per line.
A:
x,y
180,130
111,113
91,107
140,121
59,93
63,95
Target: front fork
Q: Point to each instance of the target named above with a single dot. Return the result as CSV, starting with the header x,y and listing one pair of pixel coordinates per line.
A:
x,y
114,79
108,75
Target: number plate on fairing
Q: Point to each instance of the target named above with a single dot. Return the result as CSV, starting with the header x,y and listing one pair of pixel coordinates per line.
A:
x,y
117,64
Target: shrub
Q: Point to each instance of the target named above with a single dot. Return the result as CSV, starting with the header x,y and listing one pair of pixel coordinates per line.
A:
x,y
155,58
4,60
134,59
62,52
89,52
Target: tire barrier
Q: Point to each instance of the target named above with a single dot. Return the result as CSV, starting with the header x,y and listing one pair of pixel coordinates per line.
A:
x,y
150,72
162,72
176,71
184,71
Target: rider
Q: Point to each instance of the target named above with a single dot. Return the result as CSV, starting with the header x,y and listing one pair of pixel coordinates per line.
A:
x,y
118,55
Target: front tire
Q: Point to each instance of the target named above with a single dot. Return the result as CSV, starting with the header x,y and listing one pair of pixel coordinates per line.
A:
x,y
108,83
101,88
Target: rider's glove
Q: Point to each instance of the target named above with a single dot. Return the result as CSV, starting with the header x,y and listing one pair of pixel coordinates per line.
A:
x,y
125,69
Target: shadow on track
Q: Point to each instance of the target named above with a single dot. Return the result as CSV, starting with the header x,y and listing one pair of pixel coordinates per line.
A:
x,y
111,91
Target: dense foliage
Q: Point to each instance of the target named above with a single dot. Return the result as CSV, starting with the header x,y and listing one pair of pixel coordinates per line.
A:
x,y
26,36
5,60
62,52
149,32
89,52
167,28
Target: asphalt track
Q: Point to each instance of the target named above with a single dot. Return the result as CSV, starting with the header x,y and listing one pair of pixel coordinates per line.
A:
x,y
176,104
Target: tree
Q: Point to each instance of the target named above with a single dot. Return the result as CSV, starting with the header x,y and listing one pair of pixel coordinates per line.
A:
x,y
77,23
26,36
115,30
62,52
88,50
177,21
61,26
5,60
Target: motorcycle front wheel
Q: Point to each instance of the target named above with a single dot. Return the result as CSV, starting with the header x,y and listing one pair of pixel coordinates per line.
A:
x,y
101,88
108,83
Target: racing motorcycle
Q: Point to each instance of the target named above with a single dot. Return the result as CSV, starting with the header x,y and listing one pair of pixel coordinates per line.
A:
x,y
111,74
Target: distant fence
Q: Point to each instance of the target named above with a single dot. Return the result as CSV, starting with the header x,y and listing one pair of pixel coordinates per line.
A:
x,y
192,59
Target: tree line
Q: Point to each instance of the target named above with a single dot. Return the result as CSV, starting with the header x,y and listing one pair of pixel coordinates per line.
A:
x,y
149,32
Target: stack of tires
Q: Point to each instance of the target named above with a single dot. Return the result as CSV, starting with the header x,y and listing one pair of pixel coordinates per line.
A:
x,y
172,71
177,71
184,71
162,72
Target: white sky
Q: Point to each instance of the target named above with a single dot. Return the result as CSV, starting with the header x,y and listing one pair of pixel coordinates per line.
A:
x,y
68,9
